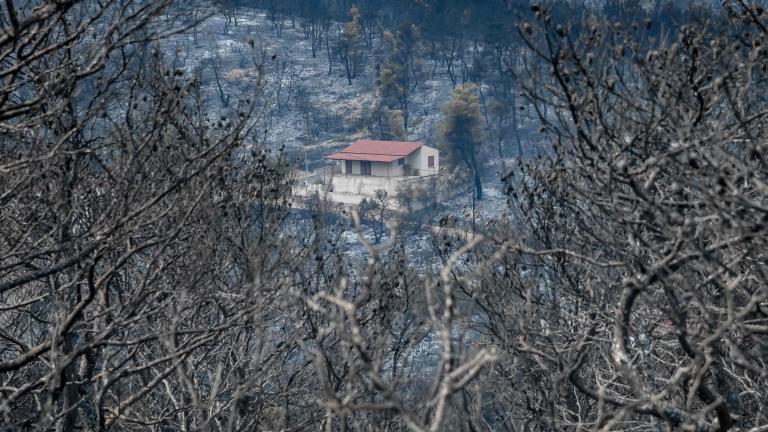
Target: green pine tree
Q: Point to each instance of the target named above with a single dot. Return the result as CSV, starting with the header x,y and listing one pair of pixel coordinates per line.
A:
x,y
461,133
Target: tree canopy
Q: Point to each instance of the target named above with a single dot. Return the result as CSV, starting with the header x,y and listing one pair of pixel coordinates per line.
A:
x,y
461,132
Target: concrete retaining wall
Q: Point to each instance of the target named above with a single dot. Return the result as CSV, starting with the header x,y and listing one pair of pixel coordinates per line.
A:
x,y
364,185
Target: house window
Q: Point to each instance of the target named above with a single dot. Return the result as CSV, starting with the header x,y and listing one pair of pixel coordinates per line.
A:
x,y
365,167
348,167
430,161
401,161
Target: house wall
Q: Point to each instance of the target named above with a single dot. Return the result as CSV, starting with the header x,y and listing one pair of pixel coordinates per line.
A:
x,y
412,160
418,160
424,153
355,167
378,169
381,169
396,170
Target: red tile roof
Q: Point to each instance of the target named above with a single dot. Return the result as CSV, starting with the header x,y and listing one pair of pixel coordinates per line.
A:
x,y
376,151
363,157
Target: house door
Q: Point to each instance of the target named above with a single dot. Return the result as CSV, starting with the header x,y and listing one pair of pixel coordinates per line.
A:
x,y
365,167
348,167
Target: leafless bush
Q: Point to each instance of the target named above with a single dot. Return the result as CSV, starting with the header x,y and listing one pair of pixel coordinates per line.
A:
x,y
633,296
152,275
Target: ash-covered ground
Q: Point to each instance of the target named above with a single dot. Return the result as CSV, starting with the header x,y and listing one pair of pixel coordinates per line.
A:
x,y
310,109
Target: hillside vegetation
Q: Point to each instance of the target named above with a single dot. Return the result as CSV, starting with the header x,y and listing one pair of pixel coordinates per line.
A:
x,y
592,256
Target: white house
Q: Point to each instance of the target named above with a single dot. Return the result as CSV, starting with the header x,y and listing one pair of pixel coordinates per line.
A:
x,y
366,166
387,159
